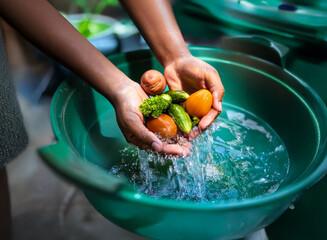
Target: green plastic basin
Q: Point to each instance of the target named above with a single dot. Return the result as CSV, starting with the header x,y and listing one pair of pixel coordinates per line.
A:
x,y
286,103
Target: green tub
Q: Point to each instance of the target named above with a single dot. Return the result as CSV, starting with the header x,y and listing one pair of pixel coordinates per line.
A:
x,y
286,103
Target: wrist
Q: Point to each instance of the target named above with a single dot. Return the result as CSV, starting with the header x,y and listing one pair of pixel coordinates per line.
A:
x,y
179,51
119,89
106,78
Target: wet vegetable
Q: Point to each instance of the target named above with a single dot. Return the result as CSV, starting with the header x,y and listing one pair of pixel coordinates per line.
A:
x,y
178,96
195,121
153,82
164,125
181,117
155,106
199,103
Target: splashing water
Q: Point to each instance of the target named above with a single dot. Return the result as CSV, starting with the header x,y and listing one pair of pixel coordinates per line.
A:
x,y
238,157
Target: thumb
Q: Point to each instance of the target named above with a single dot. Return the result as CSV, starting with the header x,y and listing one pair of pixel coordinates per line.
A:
x,y
146,138
217,90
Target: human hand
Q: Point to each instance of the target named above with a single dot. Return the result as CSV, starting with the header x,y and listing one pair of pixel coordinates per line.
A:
x,y
131,121
190,74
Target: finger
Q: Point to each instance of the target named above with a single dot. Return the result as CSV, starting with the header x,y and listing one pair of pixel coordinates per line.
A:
x,y
208,119
173,80
184,141
187,144
217,97
217,90
221,94
215,101
142,95
194,133
145,138
176,149
136,142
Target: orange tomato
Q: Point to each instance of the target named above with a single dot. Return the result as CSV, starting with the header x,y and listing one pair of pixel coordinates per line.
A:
x,y
199,103
164,125
153,82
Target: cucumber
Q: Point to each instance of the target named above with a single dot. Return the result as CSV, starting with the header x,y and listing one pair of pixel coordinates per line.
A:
x,y
181,117
167,97
177,95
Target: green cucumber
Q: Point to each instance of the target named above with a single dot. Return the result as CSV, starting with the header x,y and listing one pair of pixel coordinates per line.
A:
x,y
181,117
167,97
178,96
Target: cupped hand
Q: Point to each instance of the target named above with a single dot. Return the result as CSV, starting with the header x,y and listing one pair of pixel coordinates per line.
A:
x,y
131,121
190,74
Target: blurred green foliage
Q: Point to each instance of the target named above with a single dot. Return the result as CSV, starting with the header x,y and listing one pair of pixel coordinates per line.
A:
x,y
89,8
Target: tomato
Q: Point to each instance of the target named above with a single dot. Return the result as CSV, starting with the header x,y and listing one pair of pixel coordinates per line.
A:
x,y
164,125
153,82
199,103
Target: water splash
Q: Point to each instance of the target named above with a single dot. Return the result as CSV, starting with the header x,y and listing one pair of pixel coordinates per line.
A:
x,y
238,157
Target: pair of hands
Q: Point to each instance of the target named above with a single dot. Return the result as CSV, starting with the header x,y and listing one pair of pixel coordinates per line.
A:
x,y
186,73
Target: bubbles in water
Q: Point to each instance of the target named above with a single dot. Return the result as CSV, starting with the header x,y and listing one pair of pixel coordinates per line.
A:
x,y
238,157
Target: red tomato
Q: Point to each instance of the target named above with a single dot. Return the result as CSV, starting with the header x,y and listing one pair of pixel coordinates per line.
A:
x,y
153,82
199,103
164,125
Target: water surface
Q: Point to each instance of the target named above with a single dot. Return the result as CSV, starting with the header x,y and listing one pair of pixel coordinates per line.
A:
x,y
239,156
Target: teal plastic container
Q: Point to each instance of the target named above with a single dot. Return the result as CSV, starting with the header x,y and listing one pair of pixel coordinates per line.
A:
x,y
291,107
301,27
303,30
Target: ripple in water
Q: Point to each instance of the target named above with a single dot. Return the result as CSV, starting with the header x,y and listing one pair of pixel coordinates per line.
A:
x,y
238,157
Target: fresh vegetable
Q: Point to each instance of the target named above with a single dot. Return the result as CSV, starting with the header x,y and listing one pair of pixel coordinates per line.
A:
x,y
199,103
195,121
164,125
181,117
155,106
153,82
178,96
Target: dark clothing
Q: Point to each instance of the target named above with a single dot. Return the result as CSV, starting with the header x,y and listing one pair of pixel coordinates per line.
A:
x,y
13,137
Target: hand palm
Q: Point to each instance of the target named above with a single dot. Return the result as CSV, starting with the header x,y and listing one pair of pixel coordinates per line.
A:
x,y
131,122
187,75
191,74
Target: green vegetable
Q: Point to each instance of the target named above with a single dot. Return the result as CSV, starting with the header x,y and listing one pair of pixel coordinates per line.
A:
x,y
195,121
178,96
166,97
181,117
155,106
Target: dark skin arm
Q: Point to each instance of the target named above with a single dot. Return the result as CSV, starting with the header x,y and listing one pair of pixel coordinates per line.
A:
x,y
156,22
40,23
44,26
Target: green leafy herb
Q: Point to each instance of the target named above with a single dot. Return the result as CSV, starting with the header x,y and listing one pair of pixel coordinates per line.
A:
x,y
195,121
156,105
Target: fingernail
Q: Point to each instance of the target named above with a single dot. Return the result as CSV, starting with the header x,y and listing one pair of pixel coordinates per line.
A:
x,y
156,146
220,106
186,153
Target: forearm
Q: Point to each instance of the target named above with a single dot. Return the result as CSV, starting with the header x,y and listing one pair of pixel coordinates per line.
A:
x,y
45,27
158,26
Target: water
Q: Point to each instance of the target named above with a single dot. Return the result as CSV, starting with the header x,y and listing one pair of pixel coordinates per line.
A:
x,y
238,157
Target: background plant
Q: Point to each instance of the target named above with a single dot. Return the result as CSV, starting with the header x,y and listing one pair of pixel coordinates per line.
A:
x,y
90,8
